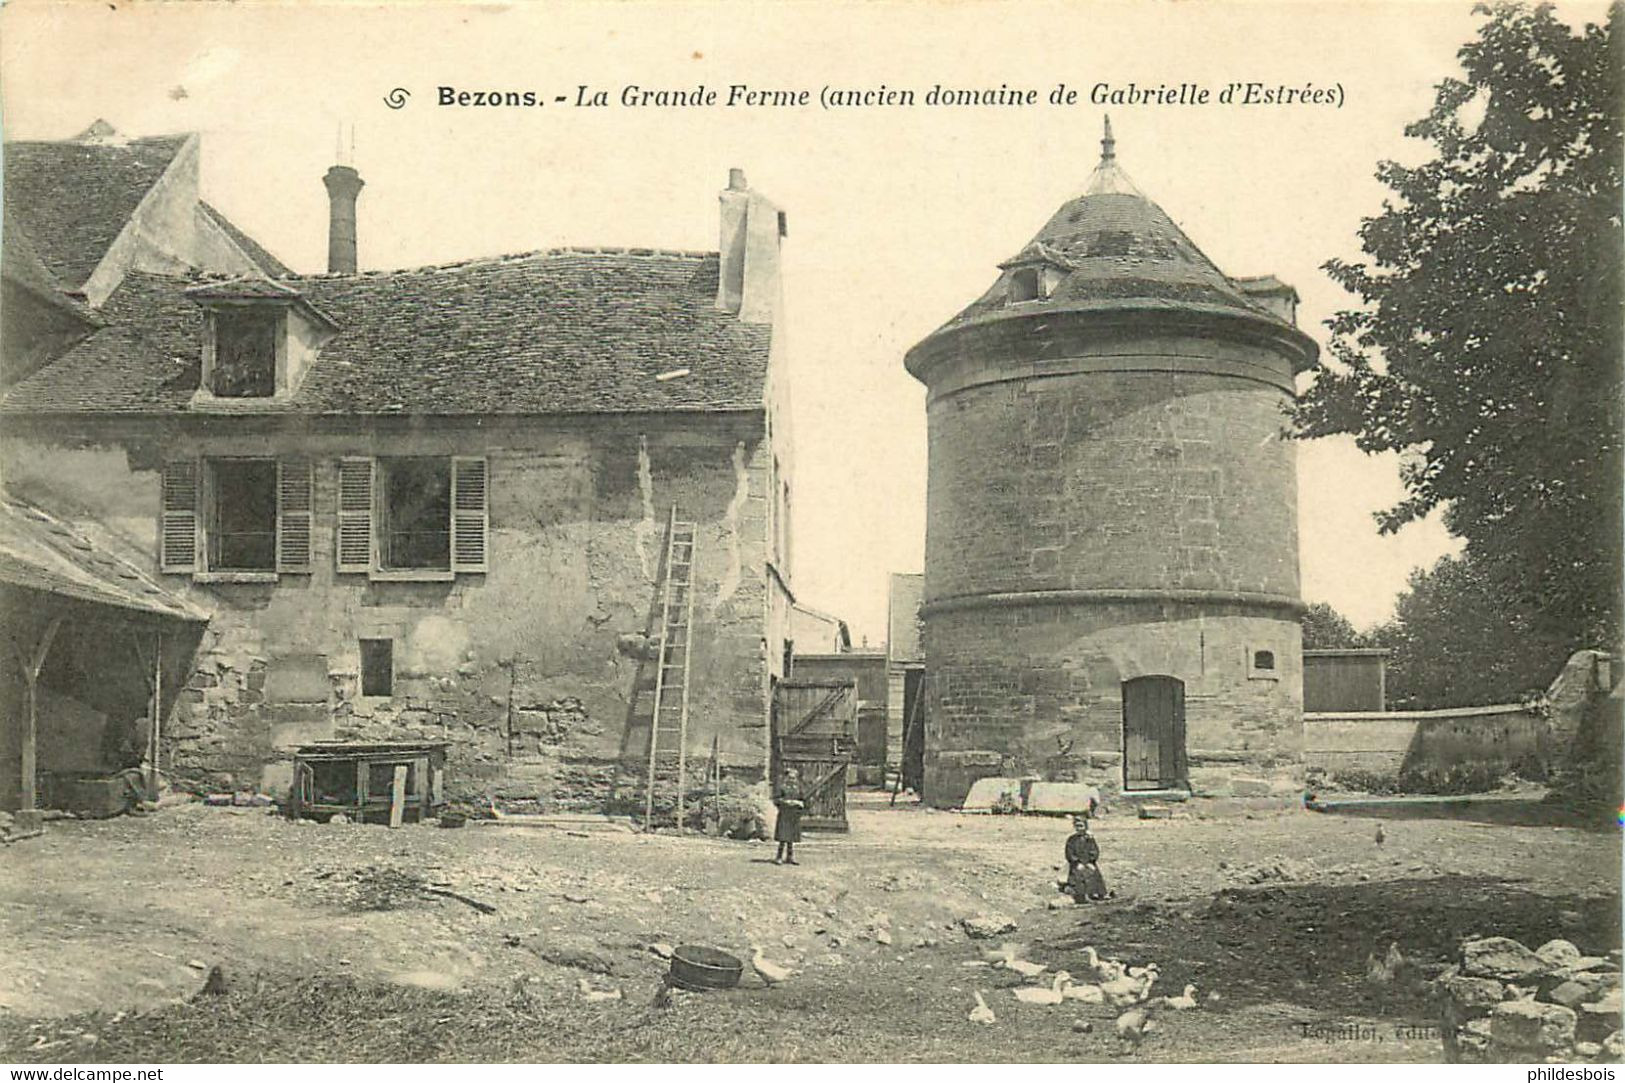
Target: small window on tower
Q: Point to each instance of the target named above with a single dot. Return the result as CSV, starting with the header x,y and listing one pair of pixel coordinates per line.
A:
x,y
1261,665
377,667
1026,285
244,354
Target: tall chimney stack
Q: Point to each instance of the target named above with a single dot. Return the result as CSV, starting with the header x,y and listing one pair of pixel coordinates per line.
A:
x,y
748,271
344,184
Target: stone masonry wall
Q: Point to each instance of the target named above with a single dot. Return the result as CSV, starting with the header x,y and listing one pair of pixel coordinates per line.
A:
x,y
1111,480
539,673
1038,690
1132,462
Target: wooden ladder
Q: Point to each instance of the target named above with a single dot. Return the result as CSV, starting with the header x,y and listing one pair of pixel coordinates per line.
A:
x,y
668,728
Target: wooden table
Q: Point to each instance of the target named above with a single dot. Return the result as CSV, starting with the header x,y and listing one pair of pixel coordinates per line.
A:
x,y
383,781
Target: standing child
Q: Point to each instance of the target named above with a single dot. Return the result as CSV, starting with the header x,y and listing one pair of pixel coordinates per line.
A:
x,y
1083,880
791,802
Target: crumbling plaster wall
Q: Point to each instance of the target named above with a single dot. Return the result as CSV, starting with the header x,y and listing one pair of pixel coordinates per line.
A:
x,y
539,672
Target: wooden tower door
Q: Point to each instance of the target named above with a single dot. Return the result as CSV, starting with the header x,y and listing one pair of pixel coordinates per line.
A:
x,y
1153,733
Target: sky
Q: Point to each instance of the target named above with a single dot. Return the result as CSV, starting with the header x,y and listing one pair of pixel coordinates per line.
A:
x,y
897,216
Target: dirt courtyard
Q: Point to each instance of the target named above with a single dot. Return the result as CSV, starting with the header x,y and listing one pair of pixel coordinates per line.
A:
x,y
334,946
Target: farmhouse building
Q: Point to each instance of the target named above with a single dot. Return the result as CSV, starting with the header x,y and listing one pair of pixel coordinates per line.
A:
x,y
426,504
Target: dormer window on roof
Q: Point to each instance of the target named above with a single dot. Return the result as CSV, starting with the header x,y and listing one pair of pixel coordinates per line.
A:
x,y
260,338
245,349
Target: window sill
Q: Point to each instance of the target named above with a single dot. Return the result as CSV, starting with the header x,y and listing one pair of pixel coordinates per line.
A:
x,y
412,575
234,577
1263,676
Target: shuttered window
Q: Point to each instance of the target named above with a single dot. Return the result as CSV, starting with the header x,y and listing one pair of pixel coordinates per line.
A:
x,y
177,529
355,515
470,519
294,487
381,517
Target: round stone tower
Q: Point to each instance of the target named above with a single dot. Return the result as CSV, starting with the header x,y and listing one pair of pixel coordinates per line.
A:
x,y
1111,565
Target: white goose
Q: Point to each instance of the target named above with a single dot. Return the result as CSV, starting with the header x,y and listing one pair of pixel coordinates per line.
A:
x,y
1050,995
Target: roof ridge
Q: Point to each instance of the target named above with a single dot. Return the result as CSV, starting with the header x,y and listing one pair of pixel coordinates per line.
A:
x,y
122,141
509,257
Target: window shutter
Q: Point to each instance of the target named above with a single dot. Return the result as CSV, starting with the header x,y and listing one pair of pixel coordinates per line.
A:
x,y
177,528
470,522
293,518
355,515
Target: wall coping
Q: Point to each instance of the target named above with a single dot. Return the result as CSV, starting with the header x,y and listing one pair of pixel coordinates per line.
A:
x,y
1346,652
1402,716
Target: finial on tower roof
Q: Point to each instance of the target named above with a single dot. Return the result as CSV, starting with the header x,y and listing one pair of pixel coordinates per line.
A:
x,y
1108,177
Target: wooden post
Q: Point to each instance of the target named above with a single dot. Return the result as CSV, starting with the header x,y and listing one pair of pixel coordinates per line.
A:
x,y
154,747
397,796
32,663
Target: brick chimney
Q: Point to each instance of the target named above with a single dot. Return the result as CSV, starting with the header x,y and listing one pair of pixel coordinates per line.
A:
x,y
344,184
748,247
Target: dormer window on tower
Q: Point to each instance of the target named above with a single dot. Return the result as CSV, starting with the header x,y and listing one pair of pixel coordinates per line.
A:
x,y
1033,273
259,339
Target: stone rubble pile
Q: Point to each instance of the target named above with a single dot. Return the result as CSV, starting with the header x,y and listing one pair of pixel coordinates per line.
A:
x,y
1504,1003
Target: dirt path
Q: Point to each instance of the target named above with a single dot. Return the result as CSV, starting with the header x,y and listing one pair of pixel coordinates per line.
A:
x,y
1276,913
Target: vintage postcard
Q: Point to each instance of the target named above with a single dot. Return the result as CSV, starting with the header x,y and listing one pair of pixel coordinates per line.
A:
x,y
946,532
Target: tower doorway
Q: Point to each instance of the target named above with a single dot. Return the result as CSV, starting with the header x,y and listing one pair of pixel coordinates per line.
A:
x,y
1154,733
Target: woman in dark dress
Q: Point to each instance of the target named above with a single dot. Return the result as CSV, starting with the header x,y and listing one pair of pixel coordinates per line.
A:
x,y
1083,880
791,803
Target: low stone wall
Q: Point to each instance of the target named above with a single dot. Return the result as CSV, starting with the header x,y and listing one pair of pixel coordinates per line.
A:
x,y
1392,743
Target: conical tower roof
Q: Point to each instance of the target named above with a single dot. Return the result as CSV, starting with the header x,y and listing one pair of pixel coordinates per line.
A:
x,y
1111,247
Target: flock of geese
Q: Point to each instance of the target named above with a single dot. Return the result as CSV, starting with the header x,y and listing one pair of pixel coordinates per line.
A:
x,y
1107,981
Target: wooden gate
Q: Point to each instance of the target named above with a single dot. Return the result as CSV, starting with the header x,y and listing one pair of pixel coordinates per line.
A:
x,y
1153,733
815,731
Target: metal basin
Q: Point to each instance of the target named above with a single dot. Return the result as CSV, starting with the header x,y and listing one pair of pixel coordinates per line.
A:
x,y
699,968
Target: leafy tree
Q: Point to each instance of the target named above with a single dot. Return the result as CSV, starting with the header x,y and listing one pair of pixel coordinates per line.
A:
x,y
1487,344
1324,627
1455,644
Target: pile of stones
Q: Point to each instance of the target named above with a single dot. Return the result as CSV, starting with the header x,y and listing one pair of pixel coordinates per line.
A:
x,y
1504,1003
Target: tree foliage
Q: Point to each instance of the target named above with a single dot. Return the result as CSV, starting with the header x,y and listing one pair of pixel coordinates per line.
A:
x,y
1455,644
1486,347
1325,628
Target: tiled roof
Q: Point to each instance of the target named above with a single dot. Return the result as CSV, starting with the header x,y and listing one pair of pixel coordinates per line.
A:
x,y
41,552
564,331
21,265
1120,248
72,199
251,248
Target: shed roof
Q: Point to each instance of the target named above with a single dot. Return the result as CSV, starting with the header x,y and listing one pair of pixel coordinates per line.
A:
x,y
41,552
